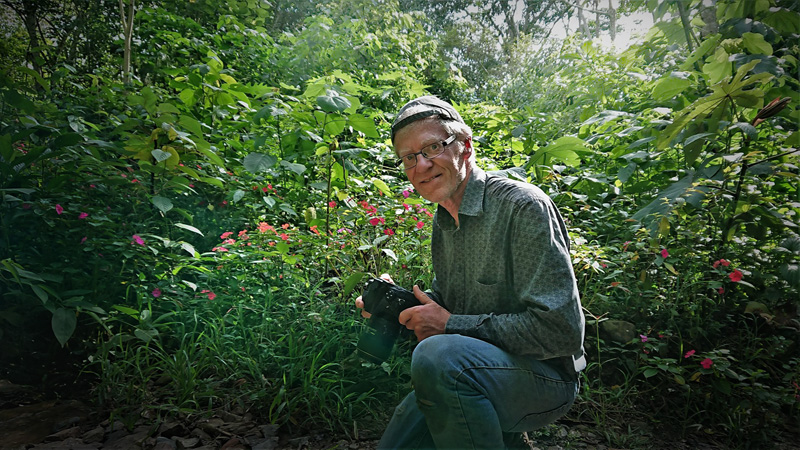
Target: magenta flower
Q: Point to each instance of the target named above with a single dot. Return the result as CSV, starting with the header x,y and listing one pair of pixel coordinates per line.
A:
x,y
406,193
83,240
689,354
664,253
59,209
706,363
156,292
138,239
420,225
83,215
643,337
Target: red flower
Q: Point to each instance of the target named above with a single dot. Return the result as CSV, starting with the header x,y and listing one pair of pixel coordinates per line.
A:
x,y
664,253
375,221
314,229
689,354
388,231
706,363
332,204
722,262
735,276
420,225
226,235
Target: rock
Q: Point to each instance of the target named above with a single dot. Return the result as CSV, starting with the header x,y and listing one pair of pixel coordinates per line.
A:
x,y
170,429
68,444
31,424
184,443
234,444
163,443
94,435
618,331
62,435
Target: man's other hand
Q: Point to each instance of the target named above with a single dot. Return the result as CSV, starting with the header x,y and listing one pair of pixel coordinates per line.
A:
x,y
425,320
360,302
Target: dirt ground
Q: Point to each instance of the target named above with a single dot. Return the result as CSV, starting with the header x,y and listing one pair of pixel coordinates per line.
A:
x,y
72,424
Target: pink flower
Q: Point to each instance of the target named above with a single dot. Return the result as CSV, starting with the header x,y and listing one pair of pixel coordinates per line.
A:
x,y
331,205
137,239
83,240
689,354
314,229
723,262
226,235
706,363
284,236
664,253
406,193
229,241
735,276
83,215
263,227
212,296
420,225
285,226
219,249
375,221
643,337
156,292
59,209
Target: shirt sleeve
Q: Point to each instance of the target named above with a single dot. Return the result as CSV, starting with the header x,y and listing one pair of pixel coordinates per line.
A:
x,y
550,322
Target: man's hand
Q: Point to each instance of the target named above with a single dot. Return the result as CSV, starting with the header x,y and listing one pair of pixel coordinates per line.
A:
x,y
425,320
360,302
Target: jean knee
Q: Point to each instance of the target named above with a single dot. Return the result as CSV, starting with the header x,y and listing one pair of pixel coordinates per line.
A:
x,y
436,356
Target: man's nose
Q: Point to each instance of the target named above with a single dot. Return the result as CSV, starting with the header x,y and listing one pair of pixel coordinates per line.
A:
x,y
423,162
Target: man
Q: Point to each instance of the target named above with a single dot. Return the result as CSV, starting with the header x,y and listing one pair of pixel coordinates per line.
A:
x,y
501,333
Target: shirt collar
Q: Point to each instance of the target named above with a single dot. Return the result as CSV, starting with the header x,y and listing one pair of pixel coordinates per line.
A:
x,y
471,203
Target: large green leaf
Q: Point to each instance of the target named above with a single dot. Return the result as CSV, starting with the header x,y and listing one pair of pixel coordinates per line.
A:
x,y
669,87
333,102
163,204
364,125
756,44
721,94
564,149
64,323
258,162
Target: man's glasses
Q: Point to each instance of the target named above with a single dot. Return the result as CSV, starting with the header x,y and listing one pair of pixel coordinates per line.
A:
x,y
431,151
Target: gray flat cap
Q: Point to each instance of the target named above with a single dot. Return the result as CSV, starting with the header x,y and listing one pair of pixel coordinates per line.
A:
x,y
423,107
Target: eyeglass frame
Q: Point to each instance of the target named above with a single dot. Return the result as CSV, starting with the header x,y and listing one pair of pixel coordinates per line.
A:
x,y
450,139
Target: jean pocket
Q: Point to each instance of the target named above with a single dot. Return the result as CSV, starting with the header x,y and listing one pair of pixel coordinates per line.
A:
x,y
534,421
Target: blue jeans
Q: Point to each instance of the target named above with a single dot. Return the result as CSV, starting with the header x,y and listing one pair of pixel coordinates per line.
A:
x,y
469,393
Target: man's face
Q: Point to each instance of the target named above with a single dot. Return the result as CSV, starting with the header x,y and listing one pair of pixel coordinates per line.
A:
x,y
438,179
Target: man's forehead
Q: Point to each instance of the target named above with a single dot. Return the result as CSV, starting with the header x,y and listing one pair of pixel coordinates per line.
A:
x,y
419,134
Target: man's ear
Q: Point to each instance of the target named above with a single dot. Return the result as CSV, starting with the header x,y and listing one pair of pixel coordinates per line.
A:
x,y
468,149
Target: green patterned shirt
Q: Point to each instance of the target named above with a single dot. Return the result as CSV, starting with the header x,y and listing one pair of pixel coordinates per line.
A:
x,y
505,273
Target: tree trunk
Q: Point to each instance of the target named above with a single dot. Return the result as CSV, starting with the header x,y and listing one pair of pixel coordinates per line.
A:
x,y
612,21
127,30
687,30
30,16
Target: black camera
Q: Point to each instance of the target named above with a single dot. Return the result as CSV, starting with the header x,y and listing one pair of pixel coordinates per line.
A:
x,y
384,301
